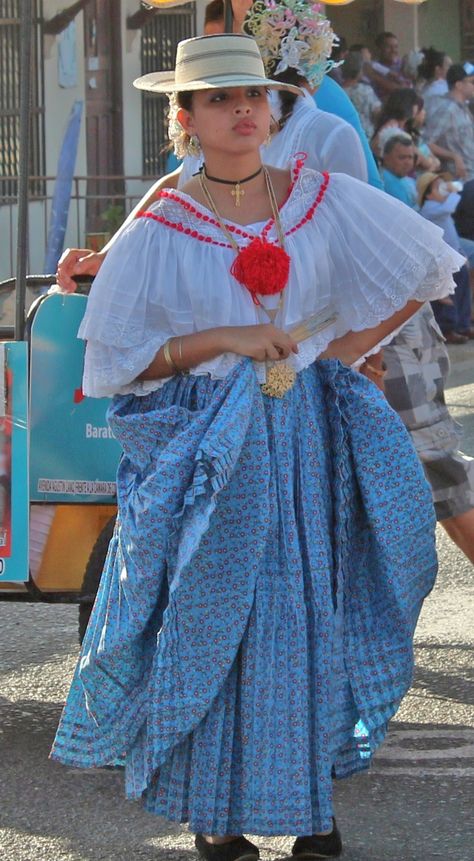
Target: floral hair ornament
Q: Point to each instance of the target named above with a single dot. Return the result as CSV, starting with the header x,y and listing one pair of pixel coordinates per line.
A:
x,y
293,34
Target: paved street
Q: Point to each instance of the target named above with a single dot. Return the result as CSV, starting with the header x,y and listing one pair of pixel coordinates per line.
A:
x,y
416,804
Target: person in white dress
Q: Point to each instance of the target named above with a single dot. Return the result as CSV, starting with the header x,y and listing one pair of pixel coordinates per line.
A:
x,y
432,73
252,634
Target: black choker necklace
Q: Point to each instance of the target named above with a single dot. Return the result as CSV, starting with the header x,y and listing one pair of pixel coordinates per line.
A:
x,y
237,192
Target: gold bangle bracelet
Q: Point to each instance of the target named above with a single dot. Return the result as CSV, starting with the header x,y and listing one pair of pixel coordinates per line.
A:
x,y
168,358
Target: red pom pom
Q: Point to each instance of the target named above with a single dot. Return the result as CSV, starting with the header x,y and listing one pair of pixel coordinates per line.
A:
x,y
262,267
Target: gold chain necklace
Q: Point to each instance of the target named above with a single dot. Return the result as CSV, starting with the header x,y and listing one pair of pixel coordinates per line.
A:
x,y
280,377
235,245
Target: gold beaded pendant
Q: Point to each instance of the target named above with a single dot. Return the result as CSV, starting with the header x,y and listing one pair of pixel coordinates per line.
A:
x,y
280,379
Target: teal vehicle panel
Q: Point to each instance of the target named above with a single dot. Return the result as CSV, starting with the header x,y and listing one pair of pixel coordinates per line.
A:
x,y
14,457
73,455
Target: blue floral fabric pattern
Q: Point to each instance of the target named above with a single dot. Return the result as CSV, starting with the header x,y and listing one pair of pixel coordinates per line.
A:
x,y
252,635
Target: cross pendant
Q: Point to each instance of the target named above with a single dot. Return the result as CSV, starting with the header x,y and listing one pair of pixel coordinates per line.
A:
x,y
237,192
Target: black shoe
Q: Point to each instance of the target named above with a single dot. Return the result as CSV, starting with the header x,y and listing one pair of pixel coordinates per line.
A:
x,y
318,845
239,849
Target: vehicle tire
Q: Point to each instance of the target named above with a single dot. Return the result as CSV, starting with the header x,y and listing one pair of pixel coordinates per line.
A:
x,y
92,575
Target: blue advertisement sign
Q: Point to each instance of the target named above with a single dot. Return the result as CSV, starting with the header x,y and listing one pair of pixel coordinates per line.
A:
x,y
14,503
73,455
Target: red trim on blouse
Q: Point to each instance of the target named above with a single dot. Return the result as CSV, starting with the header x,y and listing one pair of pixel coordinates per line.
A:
x,y
232,228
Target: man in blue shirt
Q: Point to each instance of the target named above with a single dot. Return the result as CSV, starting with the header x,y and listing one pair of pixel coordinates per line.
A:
x,y
397,163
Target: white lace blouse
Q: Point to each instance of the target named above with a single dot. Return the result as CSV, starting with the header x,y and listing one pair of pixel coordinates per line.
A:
x,y
352,248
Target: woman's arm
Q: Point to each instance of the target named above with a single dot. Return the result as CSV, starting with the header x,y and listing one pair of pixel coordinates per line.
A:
x,y
354,345
427,162
83,261
448,155
258,342
383,83
262,343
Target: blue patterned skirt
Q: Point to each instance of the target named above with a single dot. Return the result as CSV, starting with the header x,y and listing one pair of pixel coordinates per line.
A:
x,y
252,634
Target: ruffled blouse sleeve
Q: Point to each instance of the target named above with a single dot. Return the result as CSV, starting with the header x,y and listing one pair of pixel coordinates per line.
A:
x,y
136,303
383,254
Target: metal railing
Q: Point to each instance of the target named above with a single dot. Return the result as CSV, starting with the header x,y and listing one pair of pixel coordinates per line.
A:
x,y
98,205
35,287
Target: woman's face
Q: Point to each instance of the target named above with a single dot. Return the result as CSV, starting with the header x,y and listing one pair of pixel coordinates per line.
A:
x,y
235,120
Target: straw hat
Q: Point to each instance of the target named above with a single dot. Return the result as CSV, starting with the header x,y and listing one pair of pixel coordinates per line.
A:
x,y
213,62
423,183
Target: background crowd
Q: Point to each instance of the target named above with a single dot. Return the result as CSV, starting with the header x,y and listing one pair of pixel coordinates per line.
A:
x,y
416,111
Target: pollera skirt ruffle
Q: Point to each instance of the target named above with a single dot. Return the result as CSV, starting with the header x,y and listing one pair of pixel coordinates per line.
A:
x,y
252,634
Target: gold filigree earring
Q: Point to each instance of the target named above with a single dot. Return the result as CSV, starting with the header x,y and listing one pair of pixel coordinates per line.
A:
x,y
272,131
193,146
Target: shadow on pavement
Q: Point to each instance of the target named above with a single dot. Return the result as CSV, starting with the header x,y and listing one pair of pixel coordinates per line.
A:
x,y
451,681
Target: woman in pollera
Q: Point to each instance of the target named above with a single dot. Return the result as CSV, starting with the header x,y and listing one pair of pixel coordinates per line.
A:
x,y
252,634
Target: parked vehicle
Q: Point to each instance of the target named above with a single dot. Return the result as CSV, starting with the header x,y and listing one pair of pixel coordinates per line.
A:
x,y
58,458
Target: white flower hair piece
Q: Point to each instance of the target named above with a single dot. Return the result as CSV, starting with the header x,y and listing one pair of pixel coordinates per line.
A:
x,y
177,135
293,34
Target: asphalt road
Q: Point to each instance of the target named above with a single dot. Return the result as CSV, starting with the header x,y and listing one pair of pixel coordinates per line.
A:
x,y
416,803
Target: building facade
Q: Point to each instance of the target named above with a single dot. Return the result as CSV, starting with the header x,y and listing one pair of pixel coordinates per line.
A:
x,y
446,24
87,53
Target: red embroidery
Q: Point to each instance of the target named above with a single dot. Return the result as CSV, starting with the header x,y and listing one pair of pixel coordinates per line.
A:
x,y
313,208
231,227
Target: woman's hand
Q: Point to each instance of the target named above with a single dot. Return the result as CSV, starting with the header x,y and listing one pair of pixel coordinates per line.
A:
x,y
77,261
188,351
259,342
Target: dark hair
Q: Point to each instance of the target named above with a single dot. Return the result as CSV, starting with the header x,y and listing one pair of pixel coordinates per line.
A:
x,y
399,106
353,65
456,73
287,99
382,37
392,142
339,49
185,100
214,11
431,60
